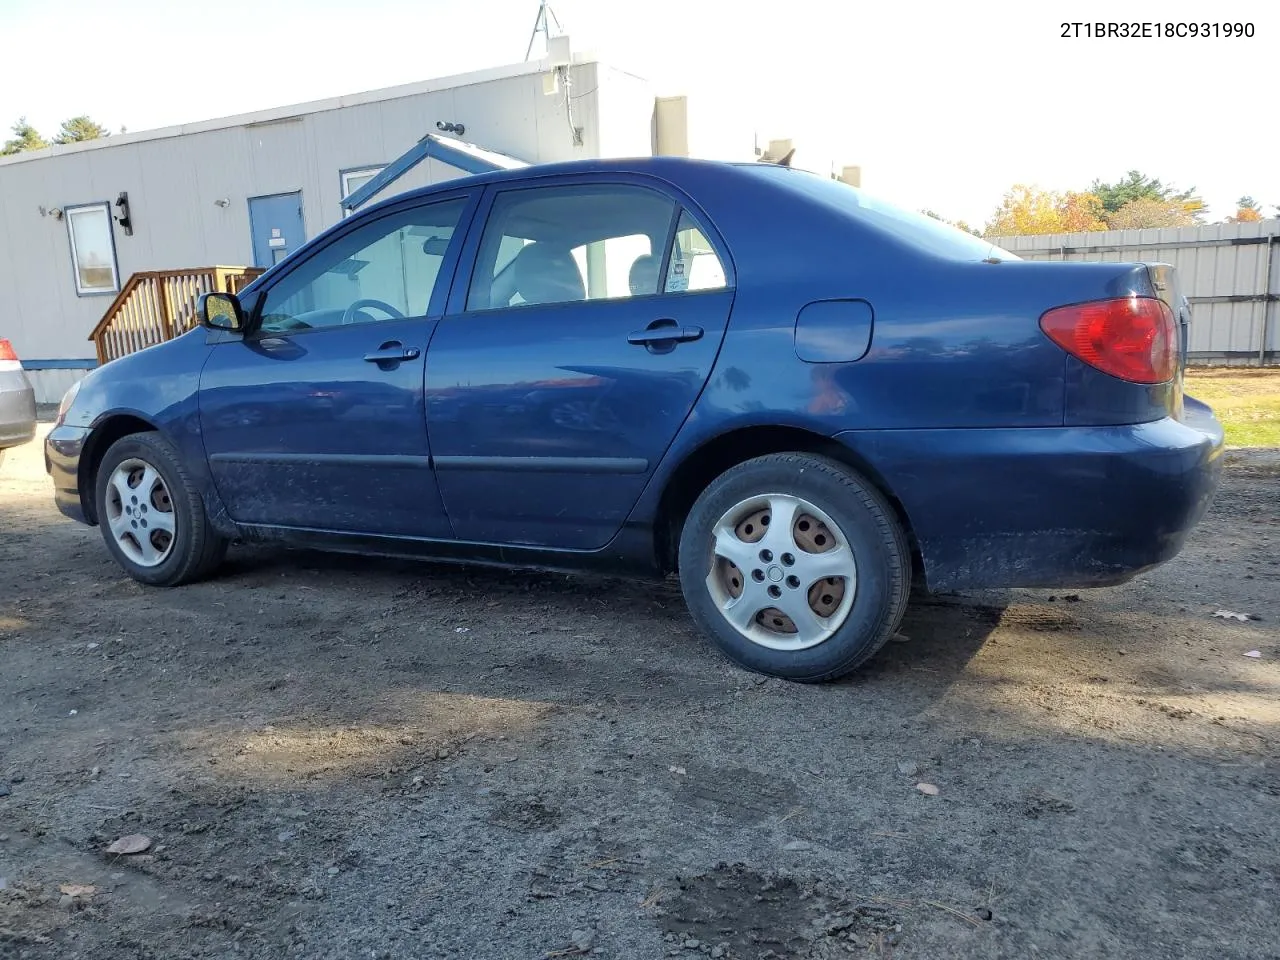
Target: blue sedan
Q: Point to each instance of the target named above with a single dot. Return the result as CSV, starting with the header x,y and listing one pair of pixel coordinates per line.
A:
x,y
796,398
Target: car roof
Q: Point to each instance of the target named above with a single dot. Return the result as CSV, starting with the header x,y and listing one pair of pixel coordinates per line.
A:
x,y
672,168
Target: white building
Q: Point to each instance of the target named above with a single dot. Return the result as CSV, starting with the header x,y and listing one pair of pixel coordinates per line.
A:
x,y
76,221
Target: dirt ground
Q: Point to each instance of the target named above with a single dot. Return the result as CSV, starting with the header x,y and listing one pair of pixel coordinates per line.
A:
x,y
343,758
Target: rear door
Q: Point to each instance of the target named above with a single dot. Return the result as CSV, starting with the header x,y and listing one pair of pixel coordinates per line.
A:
x,y
586,319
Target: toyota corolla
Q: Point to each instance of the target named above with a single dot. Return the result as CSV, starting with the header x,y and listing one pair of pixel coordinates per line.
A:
x,y
797,399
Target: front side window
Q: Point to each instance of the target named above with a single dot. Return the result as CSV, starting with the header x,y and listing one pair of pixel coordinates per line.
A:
x,y
384,270
93,251
567,244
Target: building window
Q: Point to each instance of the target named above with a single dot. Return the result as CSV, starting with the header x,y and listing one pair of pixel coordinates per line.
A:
x,y
93,248
353,180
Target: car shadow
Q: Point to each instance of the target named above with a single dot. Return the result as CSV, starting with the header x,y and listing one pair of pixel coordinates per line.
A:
x,y
939,635
644,620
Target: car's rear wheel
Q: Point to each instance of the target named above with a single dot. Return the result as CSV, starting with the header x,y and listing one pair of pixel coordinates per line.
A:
x,y
151,514
795,566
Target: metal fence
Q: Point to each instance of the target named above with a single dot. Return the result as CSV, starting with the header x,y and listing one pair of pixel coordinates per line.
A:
x,y
1229,271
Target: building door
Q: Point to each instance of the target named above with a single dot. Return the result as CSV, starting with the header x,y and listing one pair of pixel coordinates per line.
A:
x,y
276,225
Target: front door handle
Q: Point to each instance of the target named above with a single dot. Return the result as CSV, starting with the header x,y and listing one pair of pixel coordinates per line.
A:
x,y
392,352
664,333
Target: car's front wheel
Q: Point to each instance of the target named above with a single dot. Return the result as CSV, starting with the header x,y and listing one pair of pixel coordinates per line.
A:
x,y
795,566
151,513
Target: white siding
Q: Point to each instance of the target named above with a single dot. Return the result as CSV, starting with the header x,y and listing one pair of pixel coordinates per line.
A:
x,y
50,385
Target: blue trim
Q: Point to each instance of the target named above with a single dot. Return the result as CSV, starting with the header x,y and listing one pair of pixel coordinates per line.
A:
x,y
457,157
428,146
394,170
59,364
71,248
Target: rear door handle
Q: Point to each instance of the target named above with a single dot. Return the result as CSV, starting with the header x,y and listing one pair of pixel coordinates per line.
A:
x,y
664,336
391,352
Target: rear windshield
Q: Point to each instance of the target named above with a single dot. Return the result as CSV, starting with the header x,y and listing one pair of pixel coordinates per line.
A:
x,y
917,229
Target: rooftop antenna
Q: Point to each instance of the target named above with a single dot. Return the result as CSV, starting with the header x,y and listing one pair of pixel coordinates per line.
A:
x,y
542,25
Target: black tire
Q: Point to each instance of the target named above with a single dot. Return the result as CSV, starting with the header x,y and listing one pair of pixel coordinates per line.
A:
x,y
196,548
866,523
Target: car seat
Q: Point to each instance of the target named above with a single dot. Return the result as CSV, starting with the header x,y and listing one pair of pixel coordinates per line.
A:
x,y
643,278
545,274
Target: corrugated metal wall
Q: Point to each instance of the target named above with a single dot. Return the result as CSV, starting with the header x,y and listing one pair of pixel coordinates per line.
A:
x,y
1235,317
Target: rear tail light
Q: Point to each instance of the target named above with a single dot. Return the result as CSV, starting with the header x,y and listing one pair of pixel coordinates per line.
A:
x,y
1133,338
6,350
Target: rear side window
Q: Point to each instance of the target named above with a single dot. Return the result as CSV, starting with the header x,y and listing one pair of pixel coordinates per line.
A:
x,y
694,264
574,243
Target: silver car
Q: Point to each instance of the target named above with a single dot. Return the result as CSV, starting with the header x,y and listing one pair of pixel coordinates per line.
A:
x,y
17,401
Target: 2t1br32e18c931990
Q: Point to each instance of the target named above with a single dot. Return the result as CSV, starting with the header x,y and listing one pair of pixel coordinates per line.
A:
x,y
1157,30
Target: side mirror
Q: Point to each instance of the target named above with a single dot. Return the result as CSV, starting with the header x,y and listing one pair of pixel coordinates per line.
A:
x,y
221,311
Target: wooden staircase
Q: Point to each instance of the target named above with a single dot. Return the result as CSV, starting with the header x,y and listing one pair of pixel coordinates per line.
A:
x,y
158,305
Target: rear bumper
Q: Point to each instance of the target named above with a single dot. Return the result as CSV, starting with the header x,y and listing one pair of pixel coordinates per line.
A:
x,y
1052,507
62,449
16,434
17,416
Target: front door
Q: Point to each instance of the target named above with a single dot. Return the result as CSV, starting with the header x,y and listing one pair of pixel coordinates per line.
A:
x,y
563,371
316,419
276,225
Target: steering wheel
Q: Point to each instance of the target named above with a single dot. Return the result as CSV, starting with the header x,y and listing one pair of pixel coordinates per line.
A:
x,y
349,314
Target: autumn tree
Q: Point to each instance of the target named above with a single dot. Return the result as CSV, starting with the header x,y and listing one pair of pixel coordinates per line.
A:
x,y
80,128
1248,210
1028,210
1146,212
1163,203
25,137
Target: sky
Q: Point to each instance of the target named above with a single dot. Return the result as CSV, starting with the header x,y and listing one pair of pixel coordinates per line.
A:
x,y
943,105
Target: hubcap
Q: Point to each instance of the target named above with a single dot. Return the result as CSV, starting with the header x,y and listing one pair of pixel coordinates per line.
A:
x,y
139,513
782,573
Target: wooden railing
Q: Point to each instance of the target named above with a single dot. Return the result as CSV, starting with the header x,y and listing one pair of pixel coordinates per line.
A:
x,y
158,305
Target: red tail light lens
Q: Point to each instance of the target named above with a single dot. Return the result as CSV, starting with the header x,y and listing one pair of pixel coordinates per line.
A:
x,y
6,350
1133,338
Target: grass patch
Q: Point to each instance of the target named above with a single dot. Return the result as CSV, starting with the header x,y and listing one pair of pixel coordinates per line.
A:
x,y
1247,401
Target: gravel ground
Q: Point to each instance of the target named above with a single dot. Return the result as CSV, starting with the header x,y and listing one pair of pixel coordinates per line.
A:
x,y
344,758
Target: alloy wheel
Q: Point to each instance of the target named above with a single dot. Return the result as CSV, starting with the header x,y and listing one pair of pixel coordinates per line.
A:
x,y
782,573
139,513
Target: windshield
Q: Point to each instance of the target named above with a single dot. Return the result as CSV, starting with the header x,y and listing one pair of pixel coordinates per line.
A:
x,y
917,229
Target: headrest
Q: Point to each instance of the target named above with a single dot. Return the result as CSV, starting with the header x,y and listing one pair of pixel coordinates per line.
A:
x,y
545,274
644,275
